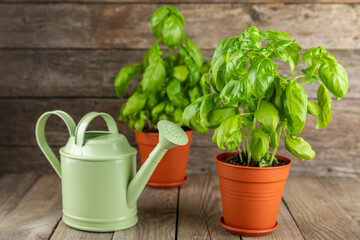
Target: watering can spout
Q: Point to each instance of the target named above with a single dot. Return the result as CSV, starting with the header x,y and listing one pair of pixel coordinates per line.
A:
x,y
170,135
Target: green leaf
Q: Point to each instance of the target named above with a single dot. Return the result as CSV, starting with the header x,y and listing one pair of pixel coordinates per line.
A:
x,y
158,16
175,92
205,84
274,136
196,126
134,104
268,115
217,116
234,140
157,110
169,108
216,73
296,107
298,147
177,13
324,101
153,77
153,99
251,32
261,76
191,110
259,144
139,125
209,102
234,63
225,130
193,51
313,108
152,55
194,93
180,72
334,78
172,31
178,116
274,35
124,78
122,117
223,47
279,95
195,74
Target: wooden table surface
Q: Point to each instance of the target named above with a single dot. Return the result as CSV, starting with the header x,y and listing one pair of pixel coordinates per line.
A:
x,y
312,208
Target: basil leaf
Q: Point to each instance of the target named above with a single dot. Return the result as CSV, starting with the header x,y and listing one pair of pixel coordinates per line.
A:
x,y
216,73
158,16
122,117
279,95
195,74
215,117
298,147
234,140
234,65
169,108
157,110
134,104
124,78
313,108
194,93
180,72
261,76
153,77
177,13
152,55
274,136
274,35
174,92
334,78
172,31
268,115
210,102
205,84
194,51
178,116
139,124
324,101
296,107
223,47
225,130
259,144
191,110
196,126
226,94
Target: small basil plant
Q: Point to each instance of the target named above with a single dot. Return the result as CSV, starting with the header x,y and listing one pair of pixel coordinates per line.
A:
x,y
167,84
250,105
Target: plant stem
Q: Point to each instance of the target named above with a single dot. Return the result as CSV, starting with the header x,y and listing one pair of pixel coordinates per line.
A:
x,y
240,154
248,146
243,142
300,76
170,51
274,152
253,127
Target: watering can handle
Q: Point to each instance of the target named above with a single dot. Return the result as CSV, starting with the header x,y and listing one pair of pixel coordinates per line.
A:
x,y
41,139
84,123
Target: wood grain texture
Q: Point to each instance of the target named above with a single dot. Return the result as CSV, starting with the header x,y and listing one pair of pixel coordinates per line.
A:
x,y
287,228
346,192
316,213
63,232
37,213
126,25
184,1
157,209
91,73
13,187
200,209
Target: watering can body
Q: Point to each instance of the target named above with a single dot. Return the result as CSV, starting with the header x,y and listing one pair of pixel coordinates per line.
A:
x,y
100,185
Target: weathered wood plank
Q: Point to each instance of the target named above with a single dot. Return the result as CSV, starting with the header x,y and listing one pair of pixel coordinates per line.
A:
x,y
13,187
346,192
37,213
316,213
157,216
185,1
126,25
200,209
287,228
91,73
63,232
23,114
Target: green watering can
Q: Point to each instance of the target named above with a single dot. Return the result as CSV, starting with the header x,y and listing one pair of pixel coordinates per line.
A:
x,y
100,185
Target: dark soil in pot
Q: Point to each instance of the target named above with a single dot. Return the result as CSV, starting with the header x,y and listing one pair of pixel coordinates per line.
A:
x,y
235,160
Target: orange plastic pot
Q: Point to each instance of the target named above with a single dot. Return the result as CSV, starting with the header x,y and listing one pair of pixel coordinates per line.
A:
x,y
171,170
250,196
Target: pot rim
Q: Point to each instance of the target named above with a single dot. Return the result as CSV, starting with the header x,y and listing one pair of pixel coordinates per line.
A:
x,y
289,162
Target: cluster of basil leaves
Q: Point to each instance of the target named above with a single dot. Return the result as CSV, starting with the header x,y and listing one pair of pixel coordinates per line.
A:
x,y
168,84
249,104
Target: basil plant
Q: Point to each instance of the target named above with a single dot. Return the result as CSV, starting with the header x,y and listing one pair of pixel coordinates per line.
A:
x,y
250,105
167,84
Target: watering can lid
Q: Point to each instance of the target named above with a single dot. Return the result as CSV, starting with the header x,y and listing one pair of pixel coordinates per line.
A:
x,y
97,145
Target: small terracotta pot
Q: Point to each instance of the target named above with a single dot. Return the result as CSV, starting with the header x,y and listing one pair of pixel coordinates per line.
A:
x,y
251,196
171,170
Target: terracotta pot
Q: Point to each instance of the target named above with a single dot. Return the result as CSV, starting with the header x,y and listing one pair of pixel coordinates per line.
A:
x,y
251,196
171,170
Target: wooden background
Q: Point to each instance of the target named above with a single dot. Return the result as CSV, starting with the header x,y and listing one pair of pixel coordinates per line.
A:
x,y
65,54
